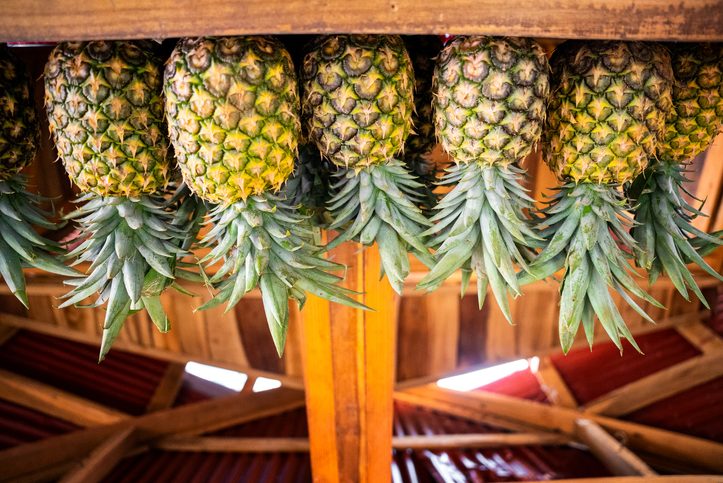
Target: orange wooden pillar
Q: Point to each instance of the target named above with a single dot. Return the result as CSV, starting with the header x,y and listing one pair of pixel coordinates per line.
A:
x,y
349,375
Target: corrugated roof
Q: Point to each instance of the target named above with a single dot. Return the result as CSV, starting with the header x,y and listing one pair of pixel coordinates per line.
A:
x,y
522,384
590,374
123,381
20,425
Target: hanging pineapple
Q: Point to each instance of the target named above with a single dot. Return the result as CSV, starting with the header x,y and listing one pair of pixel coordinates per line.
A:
x,y
232,108
104,107
20,245
489,108
605,120
358,103
418,149
664,230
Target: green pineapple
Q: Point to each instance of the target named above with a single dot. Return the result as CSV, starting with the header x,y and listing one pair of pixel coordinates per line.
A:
x,y
489,108
664,230
605,120
20,246
104,107
358,104
232,109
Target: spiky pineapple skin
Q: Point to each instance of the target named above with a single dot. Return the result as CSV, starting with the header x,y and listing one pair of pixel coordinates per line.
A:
x,y
697,116
606,117
105,112
359,98
489,106
19,134
232,105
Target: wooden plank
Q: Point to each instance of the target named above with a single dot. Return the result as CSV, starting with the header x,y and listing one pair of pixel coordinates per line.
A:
x,y
553,385
166,355
442,324
55,402
658,386
190,419
613,454
224,338
614,19
294,445
537,416
102,459
710,183
167,389
701,336
349,374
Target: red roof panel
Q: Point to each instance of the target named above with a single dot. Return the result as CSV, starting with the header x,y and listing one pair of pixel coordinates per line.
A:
x,y
20,425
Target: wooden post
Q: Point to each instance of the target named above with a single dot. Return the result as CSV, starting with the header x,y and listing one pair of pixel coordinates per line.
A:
x,y
349,375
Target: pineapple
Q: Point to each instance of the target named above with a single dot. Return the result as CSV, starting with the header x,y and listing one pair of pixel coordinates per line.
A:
x,y
358,104
605,120
20,245
232,109
103,101
664,230
418,148
489,108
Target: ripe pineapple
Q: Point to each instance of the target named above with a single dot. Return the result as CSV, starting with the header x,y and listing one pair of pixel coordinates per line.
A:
x,y
232,109
358,104
606,119
20,245
417,150
664,230
489,108
104,107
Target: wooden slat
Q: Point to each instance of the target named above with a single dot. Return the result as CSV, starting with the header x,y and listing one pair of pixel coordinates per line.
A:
x,y
166,355
102,459
553,385
185,420
349,374
658,386
55,402
613,454
537,416
293,445
442,307
167,389
709,184
648,19
701,336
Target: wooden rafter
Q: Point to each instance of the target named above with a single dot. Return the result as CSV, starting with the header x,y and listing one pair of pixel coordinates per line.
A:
x,y
185,420
553,385
537,416
167,389
103,458
165,355
614,455
659,385
701,336
55,402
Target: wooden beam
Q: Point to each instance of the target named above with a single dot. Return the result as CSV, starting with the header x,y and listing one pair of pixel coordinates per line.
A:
x,y
55,402
613,454
167,389
103,458
187,420
165,355
614,19
543,417
293,445
553,385
348,358
701,336
658,386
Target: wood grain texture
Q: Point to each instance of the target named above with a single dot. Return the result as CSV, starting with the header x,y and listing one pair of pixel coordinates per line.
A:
x,y
349,372
613,454
645,19
553,385
102,459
